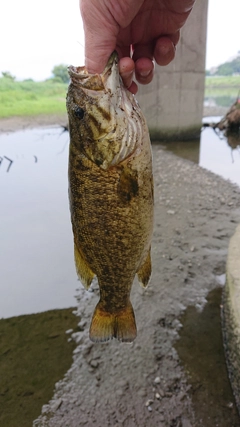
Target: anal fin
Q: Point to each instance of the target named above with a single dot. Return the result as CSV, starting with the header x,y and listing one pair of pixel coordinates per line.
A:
x,y
106,325
145,271
84,272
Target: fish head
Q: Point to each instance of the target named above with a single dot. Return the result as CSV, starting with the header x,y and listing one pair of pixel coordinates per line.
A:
x,y
105,121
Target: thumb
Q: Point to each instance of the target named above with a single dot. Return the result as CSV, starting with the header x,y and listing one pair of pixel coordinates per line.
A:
x,y
100,31
97,52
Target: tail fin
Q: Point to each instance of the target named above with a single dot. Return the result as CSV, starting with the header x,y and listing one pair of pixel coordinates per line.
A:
x,y
120,325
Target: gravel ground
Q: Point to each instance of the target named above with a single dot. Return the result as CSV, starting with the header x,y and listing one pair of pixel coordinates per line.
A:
x,y
144,383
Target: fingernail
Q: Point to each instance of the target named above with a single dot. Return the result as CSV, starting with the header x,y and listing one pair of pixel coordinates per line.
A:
x,y
165,50
145,73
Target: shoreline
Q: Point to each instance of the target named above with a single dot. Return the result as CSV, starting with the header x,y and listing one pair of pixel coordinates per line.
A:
x,y
12,124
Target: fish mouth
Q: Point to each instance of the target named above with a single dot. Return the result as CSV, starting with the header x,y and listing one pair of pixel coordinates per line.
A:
x,y
109,79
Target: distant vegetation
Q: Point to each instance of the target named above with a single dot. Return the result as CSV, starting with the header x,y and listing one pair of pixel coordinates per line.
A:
x,y
28,98
229,68
222,82
60,72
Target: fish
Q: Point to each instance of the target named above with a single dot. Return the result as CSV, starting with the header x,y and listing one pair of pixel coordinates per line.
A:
x,y
110,195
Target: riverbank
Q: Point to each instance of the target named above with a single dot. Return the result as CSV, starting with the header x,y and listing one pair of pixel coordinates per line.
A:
x,y
12,124
151,382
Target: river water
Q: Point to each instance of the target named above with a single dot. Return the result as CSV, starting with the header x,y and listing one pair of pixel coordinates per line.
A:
x,y
37,270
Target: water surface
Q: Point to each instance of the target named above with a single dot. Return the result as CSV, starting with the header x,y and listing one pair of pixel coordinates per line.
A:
x,y
213,151
37,271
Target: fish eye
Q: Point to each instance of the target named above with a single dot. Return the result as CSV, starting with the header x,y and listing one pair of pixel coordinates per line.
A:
x,y
79,112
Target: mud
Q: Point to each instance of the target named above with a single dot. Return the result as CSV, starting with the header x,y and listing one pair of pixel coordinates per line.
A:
x,y
148,383
12,124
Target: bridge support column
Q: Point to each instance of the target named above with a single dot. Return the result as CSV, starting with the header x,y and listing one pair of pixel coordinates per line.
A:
x,y
173,102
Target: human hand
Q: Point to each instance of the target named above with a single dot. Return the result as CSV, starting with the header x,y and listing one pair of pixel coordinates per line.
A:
x,y
148,28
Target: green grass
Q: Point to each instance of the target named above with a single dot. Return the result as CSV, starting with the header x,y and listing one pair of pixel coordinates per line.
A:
x,y
29,98
222,82
34,355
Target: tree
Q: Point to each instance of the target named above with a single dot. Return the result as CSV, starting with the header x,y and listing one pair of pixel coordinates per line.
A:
x,y
8,75
229,68
61,72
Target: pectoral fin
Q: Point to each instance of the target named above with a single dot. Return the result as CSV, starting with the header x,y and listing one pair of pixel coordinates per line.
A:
x,y
84,272
145,270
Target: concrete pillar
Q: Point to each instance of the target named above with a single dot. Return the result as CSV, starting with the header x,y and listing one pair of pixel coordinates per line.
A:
x,y
173,102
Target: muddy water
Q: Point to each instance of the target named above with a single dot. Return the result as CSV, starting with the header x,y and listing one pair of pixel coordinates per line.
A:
x,y
36,256
200,349
213,152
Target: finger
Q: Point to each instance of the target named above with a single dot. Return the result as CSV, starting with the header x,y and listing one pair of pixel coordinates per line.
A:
x,y
126,70
133,88
143,51
165,48
123,51
144,70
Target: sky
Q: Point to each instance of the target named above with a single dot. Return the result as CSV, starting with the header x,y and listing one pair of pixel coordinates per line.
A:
x,y
36,35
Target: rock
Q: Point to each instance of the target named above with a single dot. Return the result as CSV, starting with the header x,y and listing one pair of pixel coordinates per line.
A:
x,y
94,364
171,212
56,405
148,402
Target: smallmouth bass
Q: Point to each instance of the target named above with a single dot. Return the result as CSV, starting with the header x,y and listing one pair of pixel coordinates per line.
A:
x,y
110,194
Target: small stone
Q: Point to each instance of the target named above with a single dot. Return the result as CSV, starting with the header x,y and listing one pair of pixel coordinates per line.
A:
x,y
82,324
181,395
142,393
69,331
171,212
98,377
149,408
94,364
157,380
157,395
148,402
56,405
45,409
186,423
161,392
123,383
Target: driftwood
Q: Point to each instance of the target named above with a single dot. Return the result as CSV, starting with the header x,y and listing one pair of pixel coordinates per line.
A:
x,y
229,126
230,122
